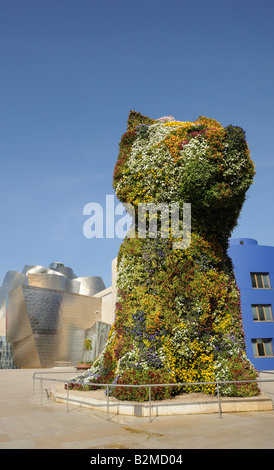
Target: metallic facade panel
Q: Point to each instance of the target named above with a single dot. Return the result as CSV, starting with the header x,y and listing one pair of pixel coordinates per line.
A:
x,y
66,272
49,325
53,281
19,332
36,268
12,280
91,285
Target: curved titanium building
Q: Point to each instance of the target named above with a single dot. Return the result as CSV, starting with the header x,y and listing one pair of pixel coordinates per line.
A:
x,y
46,313
254,272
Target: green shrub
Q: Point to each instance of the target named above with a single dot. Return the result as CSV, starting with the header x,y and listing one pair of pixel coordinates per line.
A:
x,y
142,393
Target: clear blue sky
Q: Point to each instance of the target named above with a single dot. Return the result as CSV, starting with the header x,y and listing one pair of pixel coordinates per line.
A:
x,y
70,72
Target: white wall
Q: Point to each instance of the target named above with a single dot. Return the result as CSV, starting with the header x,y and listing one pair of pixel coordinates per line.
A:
x,y
108,297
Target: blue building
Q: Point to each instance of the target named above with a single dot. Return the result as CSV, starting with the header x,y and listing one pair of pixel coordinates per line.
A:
x,y
254,272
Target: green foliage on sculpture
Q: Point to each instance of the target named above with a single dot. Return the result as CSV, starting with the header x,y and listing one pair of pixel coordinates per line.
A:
x,y
178,315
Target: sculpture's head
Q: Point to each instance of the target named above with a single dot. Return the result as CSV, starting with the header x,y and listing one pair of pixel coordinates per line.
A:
x,y
199,162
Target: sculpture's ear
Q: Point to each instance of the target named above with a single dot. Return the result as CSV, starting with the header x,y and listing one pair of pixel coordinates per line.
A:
x,y
136,119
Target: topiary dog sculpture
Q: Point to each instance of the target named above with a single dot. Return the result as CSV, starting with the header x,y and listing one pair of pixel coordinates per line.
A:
x,y
178,316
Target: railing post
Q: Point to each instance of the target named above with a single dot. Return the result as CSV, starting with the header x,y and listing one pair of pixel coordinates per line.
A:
x,y
219,403
259,381
67,396
107,404
41,391
149,393
33,384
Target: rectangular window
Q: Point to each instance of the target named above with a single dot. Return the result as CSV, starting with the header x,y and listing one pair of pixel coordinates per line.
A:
x,y
262,312
262,347
260,280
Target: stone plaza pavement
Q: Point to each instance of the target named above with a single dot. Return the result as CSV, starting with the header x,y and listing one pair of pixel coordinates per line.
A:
x,y
26,424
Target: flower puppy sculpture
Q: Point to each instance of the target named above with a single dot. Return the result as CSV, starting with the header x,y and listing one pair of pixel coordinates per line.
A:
x,y
178,315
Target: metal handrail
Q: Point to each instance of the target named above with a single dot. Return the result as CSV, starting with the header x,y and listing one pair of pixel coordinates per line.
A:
x,y
45,372
108,386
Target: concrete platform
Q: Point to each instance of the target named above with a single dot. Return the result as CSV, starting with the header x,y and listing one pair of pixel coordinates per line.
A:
x,y
25,424
189,403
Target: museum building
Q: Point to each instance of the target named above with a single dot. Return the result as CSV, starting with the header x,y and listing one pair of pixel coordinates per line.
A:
x,y
47,313
254,272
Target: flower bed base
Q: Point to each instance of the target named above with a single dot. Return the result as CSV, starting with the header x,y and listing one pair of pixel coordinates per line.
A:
x,y
190,403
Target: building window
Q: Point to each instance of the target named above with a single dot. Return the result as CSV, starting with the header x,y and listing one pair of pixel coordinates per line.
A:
x,y
262,312
262,347
260,280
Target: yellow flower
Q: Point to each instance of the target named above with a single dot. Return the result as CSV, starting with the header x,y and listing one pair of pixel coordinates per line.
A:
x,y
178,123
